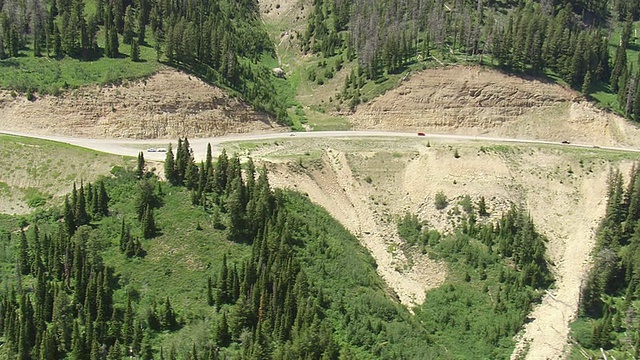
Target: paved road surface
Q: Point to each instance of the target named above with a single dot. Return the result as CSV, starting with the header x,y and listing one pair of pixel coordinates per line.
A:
x,y
133,147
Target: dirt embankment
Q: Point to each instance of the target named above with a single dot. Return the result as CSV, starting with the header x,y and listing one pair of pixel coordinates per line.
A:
x,y
168,104
366,185
472,100
332,183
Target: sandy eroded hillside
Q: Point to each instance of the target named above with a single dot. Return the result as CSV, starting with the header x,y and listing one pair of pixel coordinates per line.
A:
x,y
366,184
479,101
168,104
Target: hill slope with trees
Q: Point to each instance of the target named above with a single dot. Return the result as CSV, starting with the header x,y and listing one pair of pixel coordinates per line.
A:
x,y
216,264
609,298
221,42
360,50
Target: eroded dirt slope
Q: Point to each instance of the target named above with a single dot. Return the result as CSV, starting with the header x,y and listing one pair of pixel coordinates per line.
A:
x,y
367,184
479,101
168,104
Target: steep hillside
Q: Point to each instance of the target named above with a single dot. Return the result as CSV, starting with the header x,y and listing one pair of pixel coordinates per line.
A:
x,y
36,172
480,101
367,185
168,104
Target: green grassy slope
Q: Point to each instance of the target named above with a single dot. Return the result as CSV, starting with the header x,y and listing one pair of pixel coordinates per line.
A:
x,y
51,76
32,171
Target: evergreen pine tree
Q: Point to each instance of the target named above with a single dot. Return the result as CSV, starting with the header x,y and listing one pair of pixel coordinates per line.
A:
x,y
141,23
57,42
135,50
82,217
210,299
223,336
78,350
208,164
140,163
129,23
146,352
636,101
96,350
220,174
23,256
136,342
69,218
115,351
222,296
191,175
89,191
127,326
170,168
586,83
148,223
103,199
48,346
168,318
114,45
482,207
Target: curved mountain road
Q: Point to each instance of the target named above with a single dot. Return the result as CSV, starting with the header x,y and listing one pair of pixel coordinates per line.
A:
x,y
129,147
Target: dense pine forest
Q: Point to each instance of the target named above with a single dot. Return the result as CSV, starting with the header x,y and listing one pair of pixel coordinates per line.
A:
x,y
215,264
609,296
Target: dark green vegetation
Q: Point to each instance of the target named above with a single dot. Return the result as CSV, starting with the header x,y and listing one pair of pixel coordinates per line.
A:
x,y
497,272
609,298
216,264
222,42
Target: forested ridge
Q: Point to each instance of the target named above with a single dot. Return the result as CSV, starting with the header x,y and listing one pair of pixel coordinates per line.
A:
x,y
215,264
226,42
568,40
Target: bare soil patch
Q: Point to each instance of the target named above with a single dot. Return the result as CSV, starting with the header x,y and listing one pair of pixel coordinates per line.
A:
x,y
168,104
367,184
473,100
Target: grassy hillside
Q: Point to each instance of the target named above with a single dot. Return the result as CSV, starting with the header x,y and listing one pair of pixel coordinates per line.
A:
x,y
34,171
